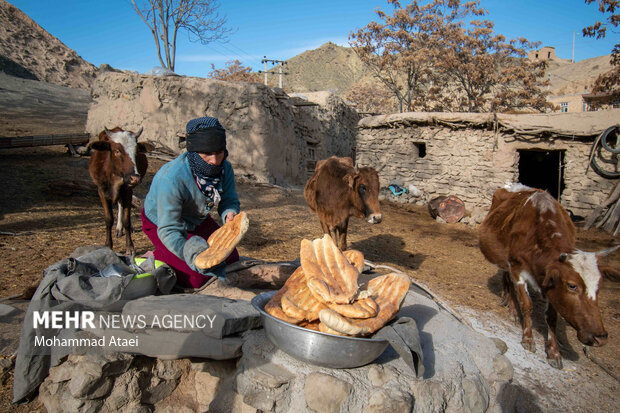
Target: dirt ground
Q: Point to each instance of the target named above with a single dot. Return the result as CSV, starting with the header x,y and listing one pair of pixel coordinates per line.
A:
x,y
41,222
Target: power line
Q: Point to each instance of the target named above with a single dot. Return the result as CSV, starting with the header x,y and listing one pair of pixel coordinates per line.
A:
x,y
280,73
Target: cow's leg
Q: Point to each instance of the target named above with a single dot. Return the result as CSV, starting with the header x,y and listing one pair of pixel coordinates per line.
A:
x,y
108,217
126,207
119,220
325,227
553,350
342,235
508,294
525,303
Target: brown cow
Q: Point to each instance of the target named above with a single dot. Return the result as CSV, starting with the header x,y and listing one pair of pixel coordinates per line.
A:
x,y
530,236
338,191
116,166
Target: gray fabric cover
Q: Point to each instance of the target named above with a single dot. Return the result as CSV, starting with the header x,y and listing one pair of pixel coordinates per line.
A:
x,y
229,316
67,285
404,337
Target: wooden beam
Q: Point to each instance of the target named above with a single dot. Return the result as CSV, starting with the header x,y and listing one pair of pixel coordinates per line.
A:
x,y
44,140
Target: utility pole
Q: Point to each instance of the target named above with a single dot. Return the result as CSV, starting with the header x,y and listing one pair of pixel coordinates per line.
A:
x,y
280,73
573,58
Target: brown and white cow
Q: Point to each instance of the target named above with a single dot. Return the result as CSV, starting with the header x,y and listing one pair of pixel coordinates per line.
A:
x,y
531,237
116,166
336,191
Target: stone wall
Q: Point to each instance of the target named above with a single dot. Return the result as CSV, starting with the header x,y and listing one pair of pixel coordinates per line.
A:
x,y
471,155
463,372
270,137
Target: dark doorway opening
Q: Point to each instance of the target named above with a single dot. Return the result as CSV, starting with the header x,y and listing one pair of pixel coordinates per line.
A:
x,y
539,168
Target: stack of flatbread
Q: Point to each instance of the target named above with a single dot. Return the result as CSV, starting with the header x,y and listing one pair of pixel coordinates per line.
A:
x,y
323,293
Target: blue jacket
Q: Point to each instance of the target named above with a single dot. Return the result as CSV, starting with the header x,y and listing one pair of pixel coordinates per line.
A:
x,y
176,205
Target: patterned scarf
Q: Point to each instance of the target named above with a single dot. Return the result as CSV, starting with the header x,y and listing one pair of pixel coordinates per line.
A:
x,y
207,176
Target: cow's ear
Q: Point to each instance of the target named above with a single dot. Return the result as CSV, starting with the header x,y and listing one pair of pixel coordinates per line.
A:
x,y
100,145
551,277
349,179
145,147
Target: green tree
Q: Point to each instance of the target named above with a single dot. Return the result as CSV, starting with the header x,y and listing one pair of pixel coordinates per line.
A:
x,y
165,18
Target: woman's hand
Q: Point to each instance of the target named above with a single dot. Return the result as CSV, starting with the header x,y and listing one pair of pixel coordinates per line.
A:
x,y
230,216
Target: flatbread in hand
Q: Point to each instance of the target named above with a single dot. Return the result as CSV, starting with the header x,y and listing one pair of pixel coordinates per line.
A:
x,y
223,241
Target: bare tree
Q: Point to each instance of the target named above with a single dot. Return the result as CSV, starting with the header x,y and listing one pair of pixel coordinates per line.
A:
x,y
430,56
234,72
608,82
166,18
372,98
489,72
401,48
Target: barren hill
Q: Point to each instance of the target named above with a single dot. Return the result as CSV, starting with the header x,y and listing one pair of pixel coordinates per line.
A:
x,y
330,67
28,51
577,77
337,68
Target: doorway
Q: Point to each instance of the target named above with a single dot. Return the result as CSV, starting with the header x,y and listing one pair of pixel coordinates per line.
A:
x,y
543,169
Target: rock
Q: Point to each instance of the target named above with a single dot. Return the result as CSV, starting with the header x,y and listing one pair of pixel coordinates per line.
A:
x,y
475,396
382,401
83,385
503,368
271,375
167,369
6,310
500,344
430,396
325,393
206,388
216,368
126,391
135,407
379,375
70,404
158,390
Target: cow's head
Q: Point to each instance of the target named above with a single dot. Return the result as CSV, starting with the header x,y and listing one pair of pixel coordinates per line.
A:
x,y
123,147
571,285
364,184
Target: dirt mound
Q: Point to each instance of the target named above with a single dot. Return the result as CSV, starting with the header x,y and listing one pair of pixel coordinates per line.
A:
x,y
27,50
330,67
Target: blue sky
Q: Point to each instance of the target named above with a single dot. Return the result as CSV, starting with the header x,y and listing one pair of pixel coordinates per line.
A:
x,y
109,31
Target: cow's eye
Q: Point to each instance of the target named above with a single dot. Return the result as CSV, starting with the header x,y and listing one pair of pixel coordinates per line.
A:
x,y
117,152
362,189
572,287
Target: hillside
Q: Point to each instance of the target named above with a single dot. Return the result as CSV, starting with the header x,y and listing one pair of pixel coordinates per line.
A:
x,y
330,67
337,68
577,77
28,51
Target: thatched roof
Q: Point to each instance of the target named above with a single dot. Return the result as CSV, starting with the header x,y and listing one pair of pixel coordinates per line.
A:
x,y
578,124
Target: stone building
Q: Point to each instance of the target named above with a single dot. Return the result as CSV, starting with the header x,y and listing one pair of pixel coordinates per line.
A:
x,y
271,137
545,53
471,155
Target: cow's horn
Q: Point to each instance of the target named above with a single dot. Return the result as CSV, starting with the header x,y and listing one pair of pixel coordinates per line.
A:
x,y
563,257
107,131
139,132
603,253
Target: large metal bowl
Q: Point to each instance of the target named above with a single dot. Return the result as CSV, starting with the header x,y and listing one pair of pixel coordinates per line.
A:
x,y
314,347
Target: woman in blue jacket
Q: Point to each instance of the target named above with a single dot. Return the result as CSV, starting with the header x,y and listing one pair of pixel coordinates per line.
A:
x,y
176,210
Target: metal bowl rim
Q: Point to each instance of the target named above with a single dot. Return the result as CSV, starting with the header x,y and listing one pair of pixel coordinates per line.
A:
x,y
264,313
